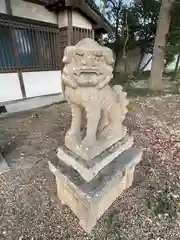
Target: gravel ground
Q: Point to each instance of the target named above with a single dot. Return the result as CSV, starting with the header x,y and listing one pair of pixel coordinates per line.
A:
x,y
150,209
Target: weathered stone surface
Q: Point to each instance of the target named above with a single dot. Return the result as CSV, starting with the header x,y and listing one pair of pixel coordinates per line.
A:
x,y
85,77
89,200
89,169
94,166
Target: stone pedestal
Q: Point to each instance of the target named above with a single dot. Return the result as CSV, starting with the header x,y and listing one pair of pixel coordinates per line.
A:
x,y
89,169
89,200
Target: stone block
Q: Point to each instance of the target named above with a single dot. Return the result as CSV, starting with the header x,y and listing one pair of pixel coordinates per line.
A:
x,y
89,169
89,200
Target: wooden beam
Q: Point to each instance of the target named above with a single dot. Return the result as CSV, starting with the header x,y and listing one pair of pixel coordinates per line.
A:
x,y
22,83
8,7
39,2
17,57
16,53
70,28
27,20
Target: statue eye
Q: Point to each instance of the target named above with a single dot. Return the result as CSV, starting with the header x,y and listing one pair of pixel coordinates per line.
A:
x,y
98,54
79,53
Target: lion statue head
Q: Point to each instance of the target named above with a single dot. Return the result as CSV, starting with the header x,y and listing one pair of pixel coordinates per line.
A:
x,y
87,64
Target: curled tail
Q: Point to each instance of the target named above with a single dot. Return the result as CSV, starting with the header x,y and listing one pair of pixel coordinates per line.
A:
x,y
121,98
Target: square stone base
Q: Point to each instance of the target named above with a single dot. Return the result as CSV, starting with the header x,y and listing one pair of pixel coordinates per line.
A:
x,y
89,169
89,200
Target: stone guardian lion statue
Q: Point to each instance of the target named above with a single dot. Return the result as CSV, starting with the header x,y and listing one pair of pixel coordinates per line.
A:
x,y
85,77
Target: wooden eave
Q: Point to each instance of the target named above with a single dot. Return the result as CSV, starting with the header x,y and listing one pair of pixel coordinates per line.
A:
x,y
100,24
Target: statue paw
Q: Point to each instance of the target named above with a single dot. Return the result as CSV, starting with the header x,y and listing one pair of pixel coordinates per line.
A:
x,y
88,142
72,137
70,133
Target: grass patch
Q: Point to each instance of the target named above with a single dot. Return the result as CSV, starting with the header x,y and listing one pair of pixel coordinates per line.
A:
x,y
138,76
113,224
119,79
145,92
141,92
175,88
163,203
168,74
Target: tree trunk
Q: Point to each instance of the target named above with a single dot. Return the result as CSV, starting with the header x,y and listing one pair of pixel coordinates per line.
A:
x,y
156,81
176,68
117,54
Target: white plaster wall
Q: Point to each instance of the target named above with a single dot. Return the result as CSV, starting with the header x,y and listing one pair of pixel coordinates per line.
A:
x,y
24,9
2,6
9,87
31,103
62,19
42,83
145,60
79,20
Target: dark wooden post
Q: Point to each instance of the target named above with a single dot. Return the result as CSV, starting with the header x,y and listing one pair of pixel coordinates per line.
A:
x,y
70,27
15,50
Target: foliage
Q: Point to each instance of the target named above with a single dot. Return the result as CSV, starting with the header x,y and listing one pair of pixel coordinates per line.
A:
x,y
113,11
141,19
141,92
173,43
141,75
145,17
135,26
113,227
173,37
164,203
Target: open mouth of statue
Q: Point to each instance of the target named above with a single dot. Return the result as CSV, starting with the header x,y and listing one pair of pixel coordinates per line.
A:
x,y
88,77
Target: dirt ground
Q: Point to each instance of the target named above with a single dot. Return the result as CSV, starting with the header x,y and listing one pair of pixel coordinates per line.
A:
x,y
150,209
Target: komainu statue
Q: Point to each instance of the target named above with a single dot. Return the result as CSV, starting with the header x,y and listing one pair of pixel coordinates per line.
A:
x,y
85,77
97,162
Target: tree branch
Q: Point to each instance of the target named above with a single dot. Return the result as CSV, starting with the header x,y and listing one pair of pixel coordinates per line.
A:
x,y
127,37
111,1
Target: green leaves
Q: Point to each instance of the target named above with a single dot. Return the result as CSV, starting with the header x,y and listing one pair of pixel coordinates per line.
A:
x,y
141,18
